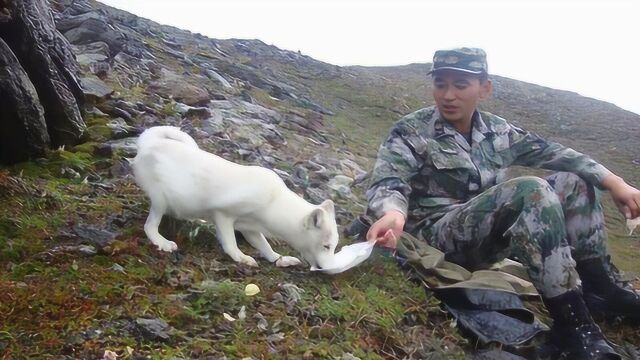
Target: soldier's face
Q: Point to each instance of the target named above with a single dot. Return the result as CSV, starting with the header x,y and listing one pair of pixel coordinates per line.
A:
x,y
457,94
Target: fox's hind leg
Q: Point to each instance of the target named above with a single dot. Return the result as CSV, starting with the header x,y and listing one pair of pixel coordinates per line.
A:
x,y
227,238
151,229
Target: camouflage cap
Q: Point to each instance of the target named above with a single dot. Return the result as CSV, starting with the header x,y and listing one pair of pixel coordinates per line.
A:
x,y
468,60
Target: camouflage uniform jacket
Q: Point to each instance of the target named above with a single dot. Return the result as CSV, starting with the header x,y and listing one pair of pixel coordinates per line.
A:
x,y
425,167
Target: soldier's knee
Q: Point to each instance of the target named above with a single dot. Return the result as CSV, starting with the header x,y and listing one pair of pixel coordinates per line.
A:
x,y
531,183
535,189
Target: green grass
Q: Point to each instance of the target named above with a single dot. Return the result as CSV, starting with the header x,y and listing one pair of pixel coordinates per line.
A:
x,y
51,302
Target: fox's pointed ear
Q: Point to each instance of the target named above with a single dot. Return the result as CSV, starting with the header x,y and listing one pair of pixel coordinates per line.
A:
x,y
314,219
327,206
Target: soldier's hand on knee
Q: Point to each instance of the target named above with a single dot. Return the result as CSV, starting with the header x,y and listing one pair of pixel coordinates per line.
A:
x,y
387,230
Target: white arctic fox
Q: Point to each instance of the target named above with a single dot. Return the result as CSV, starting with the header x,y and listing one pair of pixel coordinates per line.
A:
x,y
186,182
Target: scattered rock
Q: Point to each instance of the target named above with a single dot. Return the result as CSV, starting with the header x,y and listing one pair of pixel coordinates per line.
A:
x,y
95,89
292,293
179,278
94,235
173,86
263,324
191,112
121,168
124,147
120,129
89,59
221,104
117,268
277,337
315,195
214,125
351,168
341,184
91,27
95,48
211,74
86,250
300,176
154,329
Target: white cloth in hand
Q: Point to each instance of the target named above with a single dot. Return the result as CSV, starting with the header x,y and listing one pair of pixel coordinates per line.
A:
x,y
348,257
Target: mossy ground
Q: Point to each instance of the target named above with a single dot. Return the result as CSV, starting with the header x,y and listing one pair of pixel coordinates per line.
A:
x,y
56,303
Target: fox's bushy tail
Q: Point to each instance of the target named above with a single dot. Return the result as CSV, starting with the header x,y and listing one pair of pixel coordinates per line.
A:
x,y
150,136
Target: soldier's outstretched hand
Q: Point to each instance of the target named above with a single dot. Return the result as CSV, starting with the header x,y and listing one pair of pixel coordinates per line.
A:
x,y
387,230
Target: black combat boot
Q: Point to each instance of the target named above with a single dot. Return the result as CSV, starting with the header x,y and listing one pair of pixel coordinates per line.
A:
x,y
603,295
574,331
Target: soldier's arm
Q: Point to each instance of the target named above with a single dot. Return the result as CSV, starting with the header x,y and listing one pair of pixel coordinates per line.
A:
x,y
396,163
528,149
389,191
531,150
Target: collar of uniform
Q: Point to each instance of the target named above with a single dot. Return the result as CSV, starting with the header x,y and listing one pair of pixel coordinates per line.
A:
x,y
479,127
479,123
442,128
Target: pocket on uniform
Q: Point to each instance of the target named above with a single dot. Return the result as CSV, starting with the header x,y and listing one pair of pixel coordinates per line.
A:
x,y
501,142
448,158
418,143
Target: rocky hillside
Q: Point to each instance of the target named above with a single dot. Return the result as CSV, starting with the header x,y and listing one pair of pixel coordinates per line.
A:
x,y
79,277
345,109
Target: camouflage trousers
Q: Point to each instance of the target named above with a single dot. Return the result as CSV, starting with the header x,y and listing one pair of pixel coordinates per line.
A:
x,y
543,223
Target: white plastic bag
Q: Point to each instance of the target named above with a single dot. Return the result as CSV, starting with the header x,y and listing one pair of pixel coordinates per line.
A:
x,y
348,257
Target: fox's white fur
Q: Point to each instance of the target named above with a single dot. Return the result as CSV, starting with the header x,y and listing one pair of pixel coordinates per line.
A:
x,y
186,182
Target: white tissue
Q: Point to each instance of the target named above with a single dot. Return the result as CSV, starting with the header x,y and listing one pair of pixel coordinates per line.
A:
x,y
348,257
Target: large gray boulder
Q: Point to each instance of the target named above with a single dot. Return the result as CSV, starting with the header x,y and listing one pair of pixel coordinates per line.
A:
x,y
23,131
28,30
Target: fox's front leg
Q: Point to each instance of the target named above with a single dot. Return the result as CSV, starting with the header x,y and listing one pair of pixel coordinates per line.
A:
x,y
227,238
258,241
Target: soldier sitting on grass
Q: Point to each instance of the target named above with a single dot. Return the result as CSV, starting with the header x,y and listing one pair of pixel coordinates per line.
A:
x,y
435,178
